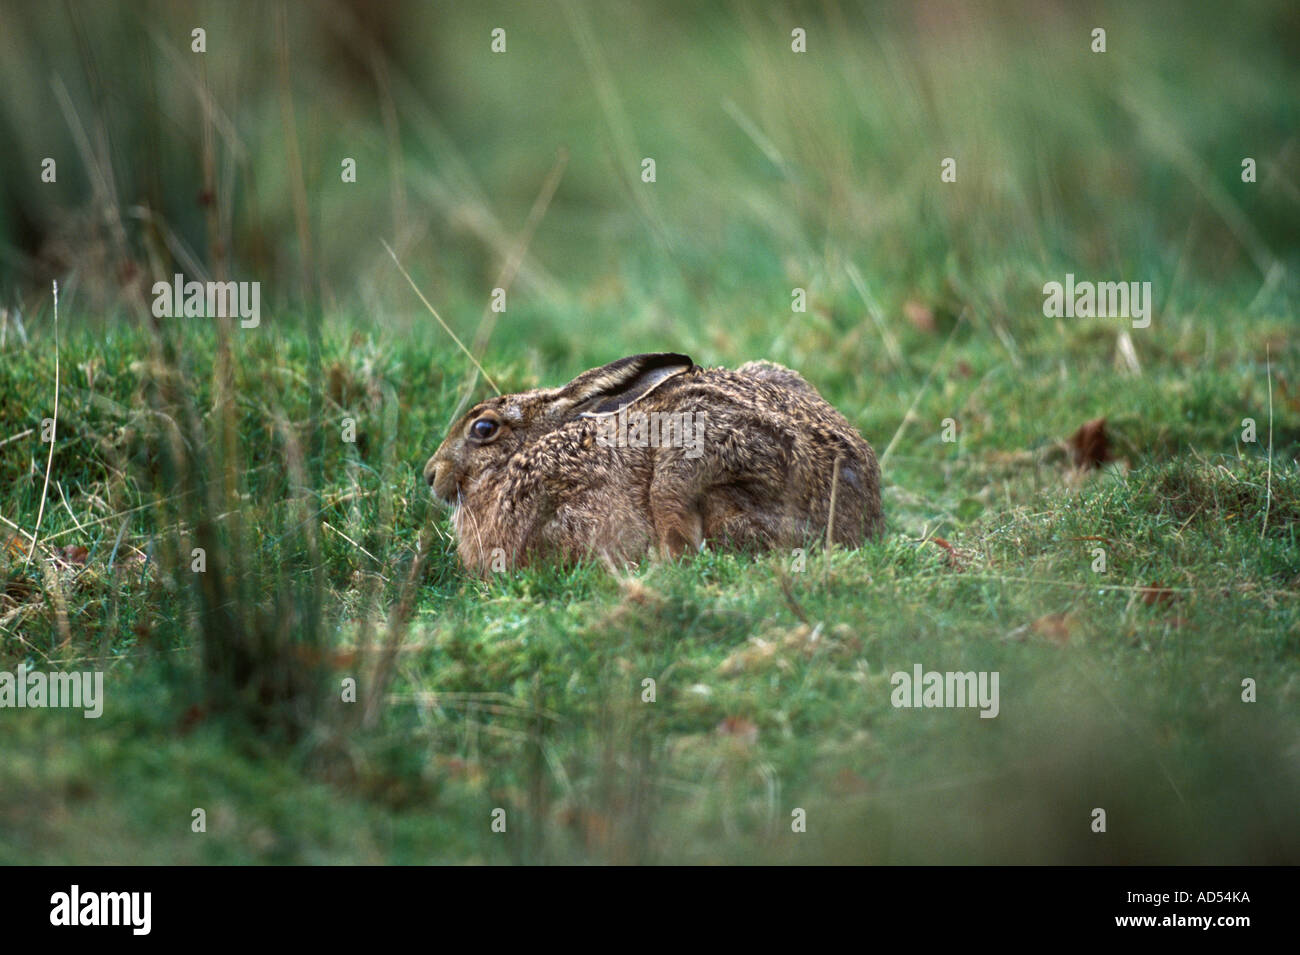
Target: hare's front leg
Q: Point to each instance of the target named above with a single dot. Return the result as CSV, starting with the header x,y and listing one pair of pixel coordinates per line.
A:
x,y
675,510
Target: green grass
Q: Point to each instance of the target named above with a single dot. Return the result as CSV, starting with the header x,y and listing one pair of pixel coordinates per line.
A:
x,y
1120,690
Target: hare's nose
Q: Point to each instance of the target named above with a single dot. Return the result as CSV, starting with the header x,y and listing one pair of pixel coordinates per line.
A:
x,y
430,471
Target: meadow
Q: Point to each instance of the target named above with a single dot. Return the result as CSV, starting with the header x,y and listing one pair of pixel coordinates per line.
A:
x,y
1105,515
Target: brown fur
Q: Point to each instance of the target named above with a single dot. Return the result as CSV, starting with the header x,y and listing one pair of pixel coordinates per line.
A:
x,y
544,487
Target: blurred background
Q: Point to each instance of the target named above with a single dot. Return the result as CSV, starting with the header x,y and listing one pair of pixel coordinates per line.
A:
x,y
786,167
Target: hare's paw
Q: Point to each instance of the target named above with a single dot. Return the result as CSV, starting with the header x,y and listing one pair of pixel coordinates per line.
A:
x,y
678,530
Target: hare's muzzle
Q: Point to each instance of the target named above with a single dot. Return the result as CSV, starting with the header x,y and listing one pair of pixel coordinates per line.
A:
x,y
439,474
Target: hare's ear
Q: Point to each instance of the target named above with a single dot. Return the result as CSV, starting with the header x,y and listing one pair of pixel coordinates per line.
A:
x,y
605,390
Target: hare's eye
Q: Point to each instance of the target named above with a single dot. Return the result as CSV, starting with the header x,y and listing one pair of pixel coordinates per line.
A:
x,y
483,428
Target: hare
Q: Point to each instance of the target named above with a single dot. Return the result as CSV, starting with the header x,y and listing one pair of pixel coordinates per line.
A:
x,y
654,454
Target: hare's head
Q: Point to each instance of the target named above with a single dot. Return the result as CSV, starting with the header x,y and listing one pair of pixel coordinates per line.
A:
x,y
493,432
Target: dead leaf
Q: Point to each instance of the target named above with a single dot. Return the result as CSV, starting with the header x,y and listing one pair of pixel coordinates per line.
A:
x,y
1156,593
921,317
1090,445
74,554
953,555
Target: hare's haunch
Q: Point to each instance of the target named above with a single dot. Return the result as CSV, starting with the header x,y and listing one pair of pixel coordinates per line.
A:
x,y
654,453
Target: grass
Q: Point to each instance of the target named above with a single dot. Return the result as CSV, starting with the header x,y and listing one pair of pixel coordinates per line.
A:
x,y
327,559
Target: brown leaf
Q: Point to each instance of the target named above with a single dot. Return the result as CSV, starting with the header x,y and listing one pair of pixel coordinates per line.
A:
x,y
1156,593
953,555
74,554
1090,444
921,317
